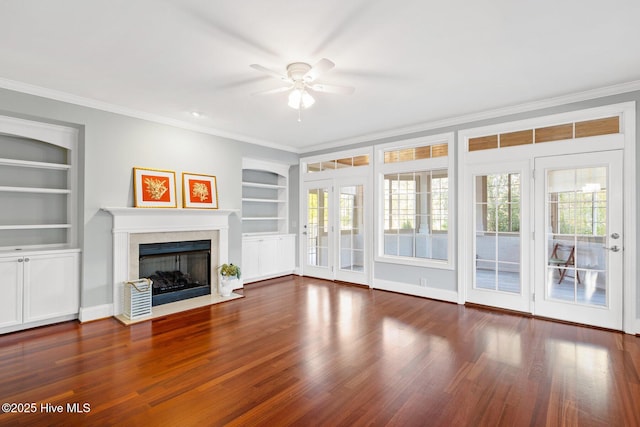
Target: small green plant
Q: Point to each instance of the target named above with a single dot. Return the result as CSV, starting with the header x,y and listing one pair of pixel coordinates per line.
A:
x,y
229,270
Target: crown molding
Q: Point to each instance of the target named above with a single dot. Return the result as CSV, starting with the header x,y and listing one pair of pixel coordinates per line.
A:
x,y
390,133
129,112
483,115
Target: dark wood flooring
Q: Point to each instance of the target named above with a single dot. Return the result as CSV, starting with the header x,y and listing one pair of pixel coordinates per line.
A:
x,y
306,352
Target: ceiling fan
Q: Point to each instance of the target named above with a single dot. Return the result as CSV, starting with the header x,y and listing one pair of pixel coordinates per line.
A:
x,y
300,80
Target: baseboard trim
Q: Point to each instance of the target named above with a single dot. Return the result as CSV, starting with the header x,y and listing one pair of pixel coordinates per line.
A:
x,y
267,277
404,288
96,312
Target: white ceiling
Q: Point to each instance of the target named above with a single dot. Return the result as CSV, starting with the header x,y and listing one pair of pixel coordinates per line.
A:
x,y
411,62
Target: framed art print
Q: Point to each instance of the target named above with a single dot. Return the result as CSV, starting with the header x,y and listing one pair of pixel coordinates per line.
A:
x,y
154,188
199,191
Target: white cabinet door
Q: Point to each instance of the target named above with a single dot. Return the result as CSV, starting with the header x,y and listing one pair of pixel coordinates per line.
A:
x,y
51,286
250,258
287,254
269,256
11,288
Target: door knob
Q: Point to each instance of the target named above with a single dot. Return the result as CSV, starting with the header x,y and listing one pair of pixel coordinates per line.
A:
x,y
614,248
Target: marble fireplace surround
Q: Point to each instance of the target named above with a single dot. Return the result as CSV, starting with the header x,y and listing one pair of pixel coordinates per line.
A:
x,y
133,226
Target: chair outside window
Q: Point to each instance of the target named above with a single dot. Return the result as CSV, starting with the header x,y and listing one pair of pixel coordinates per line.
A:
x,y
562,263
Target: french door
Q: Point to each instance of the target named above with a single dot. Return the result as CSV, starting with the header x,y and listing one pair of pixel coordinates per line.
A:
x,y
499,217
571,267
579,238
335,243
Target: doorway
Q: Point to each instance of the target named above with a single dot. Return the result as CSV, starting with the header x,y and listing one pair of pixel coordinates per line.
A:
x,y
501,226
336,232
579,238
548,236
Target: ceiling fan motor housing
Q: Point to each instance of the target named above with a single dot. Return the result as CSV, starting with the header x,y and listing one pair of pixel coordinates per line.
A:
x,y
297,70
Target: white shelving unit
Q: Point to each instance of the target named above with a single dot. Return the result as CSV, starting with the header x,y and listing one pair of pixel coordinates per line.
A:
x,y
267,248
39,255
265,197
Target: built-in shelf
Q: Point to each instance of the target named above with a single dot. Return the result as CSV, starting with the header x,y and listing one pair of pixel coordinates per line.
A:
x,y
31,164
38,185
264,218
267,249
259,185
264,201
38,224
266,233
34,190
265,197
34,226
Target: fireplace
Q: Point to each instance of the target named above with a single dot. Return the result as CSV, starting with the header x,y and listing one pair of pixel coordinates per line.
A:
x,y
179,270
133,227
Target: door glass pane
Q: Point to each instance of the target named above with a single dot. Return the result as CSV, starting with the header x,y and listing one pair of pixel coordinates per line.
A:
x,y
497,232
351,228
576,233
318,227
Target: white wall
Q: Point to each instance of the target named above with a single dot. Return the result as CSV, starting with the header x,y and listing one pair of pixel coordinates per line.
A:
x,y
111,145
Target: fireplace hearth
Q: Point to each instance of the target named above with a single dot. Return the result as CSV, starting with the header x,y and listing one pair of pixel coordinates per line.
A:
x,y
179,270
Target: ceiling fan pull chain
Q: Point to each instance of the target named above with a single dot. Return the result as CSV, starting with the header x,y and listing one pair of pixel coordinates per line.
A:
x,y
299,115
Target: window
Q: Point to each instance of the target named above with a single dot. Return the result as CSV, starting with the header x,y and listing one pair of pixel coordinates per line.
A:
x,y
347,162
499,198
415,210
347,208
414,193
579,208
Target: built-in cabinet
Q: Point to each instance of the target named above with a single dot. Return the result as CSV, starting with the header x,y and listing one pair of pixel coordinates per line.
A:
x,y
39,255
267,248
38,287
268,256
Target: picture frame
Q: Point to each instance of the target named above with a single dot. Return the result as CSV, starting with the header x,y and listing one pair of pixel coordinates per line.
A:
x,y
154,188
199,191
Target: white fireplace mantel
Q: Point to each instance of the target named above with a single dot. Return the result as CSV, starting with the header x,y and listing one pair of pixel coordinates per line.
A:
x,y
128,221
149,220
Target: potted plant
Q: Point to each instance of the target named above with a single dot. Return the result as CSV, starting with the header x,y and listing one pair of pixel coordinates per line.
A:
x,y
229,273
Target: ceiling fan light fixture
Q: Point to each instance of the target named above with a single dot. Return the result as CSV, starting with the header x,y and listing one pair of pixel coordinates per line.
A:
x,y
300,98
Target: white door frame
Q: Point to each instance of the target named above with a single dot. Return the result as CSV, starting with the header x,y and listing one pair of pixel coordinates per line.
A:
x,y
625,140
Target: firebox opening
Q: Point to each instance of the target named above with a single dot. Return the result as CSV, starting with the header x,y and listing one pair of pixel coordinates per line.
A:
x,y
179,270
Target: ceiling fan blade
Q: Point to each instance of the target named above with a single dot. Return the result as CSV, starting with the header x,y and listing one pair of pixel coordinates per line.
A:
x,y
340,90
272,91
268,71
320,68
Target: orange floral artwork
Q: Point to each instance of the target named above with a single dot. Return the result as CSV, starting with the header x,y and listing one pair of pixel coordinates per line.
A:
x,y
155,189
200,190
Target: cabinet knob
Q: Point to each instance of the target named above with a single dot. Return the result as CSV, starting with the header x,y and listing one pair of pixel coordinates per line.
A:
x,y
26,260
20,259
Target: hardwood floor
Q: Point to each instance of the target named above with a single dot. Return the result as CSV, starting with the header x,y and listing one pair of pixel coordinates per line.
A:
x,y
302,351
